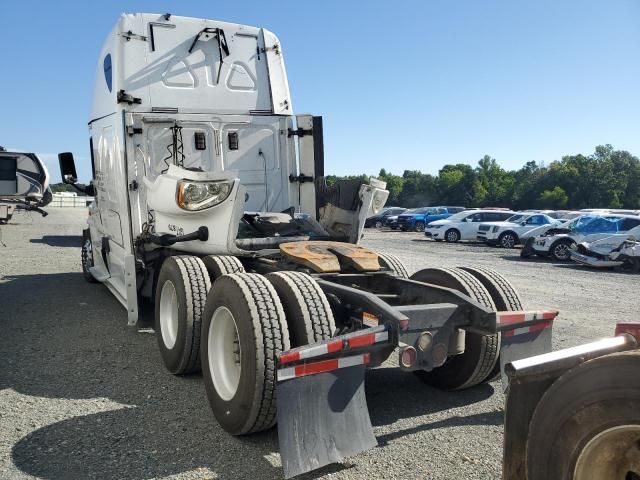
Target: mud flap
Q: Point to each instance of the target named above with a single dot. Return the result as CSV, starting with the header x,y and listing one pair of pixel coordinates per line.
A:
x,y
322,418
524,334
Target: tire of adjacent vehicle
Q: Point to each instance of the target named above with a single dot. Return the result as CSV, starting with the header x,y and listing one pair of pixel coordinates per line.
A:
x,y
527,249
394,264
306,307
558,245
379,224
452,235
262,335
504,296
419,227
218,265
589,399
508,240
191,283
481,351
86,256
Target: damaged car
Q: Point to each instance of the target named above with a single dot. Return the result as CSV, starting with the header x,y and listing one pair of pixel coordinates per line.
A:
x,y
557,243
620,251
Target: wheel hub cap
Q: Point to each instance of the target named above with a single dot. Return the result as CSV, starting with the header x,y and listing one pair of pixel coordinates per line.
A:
x,y
169,314
223,348
613,454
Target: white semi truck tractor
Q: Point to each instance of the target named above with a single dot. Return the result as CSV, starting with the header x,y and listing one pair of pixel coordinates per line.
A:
x,y
212,210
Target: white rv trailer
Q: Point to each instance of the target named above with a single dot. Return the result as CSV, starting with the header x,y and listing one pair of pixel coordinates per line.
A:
x,y
24,183
211,201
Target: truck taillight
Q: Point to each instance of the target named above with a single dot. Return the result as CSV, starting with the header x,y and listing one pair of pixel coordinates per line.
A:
x,y
632,328
408,357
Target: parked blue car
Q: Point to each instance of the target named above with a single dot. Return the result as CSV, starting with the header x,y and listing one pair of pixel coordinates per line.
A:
x,y
417,218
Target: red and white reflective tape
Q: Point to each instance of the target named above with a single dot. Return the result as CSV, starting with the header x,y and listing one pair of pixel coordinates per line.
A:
x,y
538,327
322,366
506,318
338,344
516,317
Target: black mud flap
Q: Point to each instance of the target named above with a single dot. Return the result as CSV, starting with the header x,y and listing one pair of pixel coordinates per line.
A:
x,y
322,419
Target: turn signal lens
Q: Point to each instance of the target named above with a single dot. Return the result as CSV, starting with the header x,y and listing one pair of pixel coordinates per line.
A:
x,y
194,196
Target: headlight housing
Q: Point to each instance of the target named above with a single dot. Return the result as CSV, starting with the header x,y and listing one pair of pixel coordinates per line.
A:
x,y
495,229
195,196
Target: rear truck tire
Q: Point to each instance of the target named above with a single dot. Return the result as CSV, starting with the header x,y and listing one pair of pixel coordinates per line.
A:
x,y
86,256
452,235
394,264
308,313
181,293
508,240
559,251
244,329
587,424
481,351
218,265
504,296
419,227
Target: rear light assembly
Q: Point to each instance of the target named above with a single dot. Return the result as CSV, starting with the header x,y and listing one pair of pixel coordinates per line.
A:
x,y
408,357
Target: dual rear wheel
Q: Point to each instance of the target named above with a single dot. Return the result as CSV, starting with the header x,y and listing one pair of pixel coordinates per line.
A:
x,y
234,331
480,360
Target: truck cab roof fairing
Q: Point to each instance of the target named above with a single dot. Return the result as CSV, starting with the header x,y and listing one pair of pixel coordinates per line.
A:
x,y
178,63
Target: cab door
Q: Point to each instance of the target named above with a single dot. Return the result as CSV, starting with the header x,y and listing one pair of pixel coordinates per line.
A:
x,y
111,238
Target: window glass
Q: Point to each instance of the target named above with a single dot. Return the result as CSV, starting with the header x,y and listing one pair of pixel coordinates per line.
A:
x,y
628,224
459,217
108,72
503,215
8,168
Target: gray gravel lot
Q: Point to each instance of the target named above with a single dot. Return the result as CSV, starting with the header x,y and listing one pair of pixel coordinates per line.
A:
x,y
84,396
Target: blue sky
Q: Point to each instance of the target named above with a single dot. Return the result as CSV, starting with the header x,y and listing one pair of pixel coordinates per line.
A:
x,y
401,85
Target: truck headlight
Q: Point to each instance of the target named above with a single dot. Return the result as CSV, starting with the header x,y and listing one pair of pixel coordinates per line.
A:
x,y
194,196
495,229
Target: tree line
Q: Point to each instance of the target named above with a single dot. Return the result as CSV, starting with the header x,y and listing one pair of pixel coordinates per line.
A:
x,y
607,178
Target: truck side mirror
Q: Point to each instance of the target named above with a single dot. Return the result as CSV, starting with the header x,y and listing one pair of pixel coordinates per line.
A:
x,y
67,168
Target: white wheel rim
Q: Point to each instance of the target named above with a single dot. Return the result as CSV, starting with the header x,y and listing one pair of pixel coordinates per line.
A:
x,y
169,314
223,349
612,454
451,236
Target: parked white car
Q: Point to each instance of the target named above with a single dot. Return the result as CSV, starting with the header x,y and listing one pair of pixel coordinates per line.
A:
x,y
558,242
463,225
511,232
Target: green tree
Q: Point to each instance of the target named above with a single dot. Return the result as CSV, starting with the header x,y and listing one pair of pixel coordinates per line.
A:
x,y
553,199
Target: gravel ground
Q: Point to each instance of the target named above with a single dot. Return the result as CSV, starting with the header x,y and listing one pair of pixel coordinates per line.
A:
x,y
84,396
